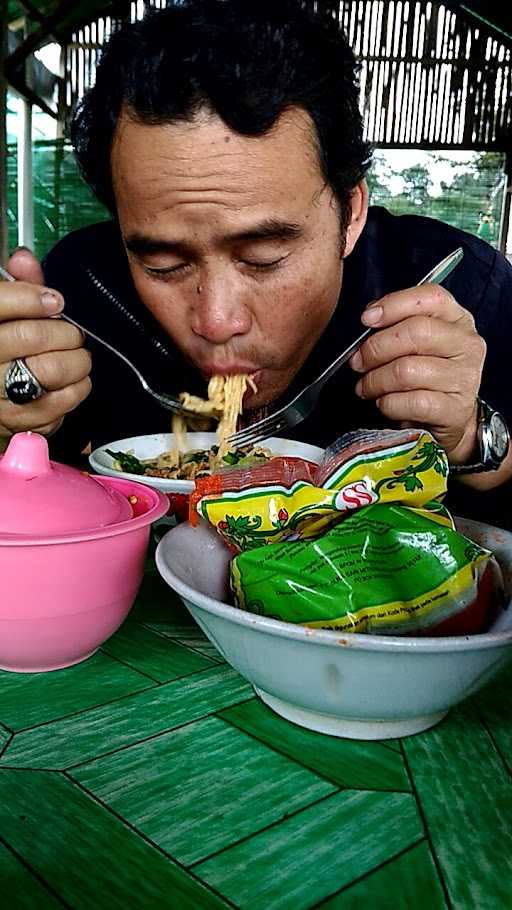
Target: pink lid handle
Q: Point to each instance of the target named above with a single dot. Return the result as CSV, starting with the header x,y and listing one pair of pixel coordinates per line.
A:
x,y
26,454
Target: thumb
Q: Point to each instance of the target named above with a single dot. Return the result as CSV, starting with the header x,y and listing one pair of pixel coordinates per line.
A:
x,y
24,266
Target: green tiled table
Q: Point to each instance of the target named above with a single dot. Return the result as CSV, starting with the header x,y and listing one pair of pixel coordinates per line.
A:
x,y
149,777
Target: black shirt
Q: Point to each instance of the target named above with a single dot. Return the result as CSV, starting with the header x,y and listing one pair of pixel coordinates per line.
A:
x,y
393,252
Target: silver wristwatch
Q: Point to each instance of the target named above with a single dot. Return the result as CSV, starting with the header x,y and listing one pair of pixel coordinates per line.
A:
x,y
493,439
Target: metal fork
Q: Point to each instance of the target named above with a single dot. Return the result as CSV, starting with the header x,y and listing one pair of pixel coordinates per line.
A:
x,y
303,403
167,401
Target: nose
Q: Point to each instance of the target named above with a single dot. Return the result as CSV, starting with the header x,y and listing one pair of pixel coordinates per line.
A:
x,y
219,310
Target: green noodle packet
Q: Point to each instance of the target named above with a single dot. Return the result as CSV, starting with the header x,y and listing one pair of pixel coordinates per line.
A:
x,y
362,543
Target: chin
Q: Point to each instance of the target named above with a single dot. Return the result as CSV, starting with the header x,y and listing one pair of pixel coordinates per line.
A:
x,y
265,396
252,400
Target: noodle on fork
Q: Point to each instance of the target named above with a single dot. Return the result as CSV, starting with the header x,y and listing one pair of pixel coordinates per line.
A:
x,y
224,404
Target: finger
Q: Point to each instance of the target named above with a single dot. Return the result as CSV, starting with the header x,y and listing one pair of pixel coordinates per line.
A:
x,y
28,337
48,428
45,429
54,372
24,266
22,300
46,411
67,369
424,407
427,300
419,335
412,373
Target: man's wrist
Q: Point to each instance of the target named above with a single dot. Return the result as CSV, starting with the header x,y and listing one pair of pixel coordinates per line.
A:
x,y
467,450
492,444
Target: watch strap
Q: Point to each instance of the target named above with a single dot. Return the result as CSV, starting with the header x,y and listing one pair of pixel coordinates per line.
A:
x,y
478,468
484,464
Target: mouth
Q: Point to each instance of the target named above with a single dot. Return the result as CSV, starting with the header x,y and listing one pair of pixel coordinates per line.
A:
x,y
233,369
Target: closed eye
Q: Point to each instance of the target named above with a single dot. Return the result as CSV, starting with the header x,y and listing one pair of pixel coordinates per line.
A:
x,y
264,264
181,269
167,271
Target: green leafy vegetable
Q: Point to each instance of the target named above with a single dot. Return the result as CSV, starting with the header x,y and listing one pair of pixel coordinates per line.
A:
x,y
240,458
129,463
196,457
231,457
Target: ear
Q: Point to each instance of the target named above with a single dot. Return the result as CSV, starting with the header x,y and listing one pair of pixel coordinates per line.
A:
x,y
359,212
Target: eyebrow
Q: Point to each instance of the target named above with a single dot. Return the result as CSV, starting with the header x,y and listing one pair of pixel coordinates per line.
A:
x,y
270,229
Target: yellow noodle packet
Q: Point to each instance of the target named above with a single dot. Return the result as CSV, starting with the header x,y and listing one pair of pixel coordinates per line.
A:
x,y
359,543
288,498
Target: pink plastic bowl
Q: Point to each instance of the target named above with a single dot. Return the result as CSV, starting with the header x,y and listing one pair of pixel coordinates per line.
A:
x,y
63,595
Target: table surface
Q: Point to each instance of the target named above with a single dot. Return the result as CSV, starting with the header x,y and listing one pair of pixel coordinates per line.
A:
x,y
149,776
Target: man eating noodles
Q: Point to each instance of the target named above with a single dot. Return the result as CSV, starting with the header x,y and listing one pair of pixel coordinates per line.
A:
x,y
224,137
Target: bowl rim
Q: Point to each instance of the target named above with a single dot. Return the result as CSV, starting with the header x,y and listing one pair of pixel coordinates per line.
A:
x,y
326,637
166,484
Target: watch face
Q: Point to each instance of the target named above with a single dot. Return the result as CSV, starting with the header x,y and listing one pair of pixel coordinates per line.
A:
x,y
499,436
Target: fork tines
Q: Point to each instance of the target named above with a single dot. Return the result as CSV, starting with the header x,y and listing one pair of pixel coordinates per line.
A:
x,y
259,431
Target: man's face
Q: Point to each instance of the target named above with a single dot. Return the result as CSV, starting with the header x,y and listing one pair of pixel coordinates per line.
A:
x,y
233,242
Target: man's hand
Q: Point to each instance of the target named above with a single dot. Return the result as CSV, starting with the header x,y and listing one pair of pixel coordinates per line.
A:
x,y
423,365
51,348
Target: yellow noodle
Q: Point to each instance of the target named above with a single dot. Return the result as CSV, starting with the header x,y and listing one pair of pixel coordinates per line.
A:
x,y
234,390
207,408
179,435
216,392
225,396
224,403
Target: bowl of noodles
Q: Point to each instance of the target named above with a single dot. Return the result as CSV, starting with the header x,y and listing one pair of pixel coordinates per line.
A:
x,y
151,458
171,462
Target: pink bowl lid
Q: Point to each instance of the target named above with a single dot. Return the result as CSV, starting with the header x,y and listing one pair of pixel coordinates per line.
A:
x,y
44,497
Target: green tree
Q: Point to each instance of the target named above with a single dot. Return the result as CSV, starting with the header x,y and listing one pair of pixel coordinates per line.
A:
x,y
417,184
471,198
474,197
377,178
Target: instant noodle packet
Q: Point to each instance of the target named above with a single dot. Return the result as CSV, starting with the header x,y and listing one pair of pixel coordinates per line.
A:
x,y
359,543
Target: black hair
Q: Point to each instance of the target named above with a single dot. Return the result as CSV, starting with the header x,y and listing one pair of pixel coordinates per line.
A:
x,y
246,60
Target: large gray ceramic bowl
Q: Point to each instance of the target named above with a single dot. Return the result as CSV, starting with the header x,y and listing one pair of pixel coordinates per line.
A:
x,y
358,686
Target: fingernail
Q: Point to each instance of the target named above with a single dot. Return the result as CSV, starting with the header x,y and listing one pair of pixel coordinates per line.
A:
x,y
356,361
19,249
52,303
359,387
372,315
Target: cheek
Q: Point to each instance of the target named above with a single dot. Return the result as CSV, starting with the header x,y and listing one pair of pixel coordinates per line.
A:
x,y
149,295
306,306
162,305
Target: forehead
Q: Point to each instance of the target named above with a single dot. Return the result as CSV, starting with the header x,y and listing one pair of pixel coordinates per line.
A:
x,y
202,162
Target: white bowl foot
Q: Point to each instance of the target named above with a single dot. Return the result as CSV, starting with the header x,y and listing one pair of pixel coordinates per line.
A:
x,y
348,727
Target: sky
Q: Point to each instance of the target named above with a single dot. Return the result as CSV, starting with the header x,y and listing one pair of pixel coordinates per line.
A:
x,y
440,171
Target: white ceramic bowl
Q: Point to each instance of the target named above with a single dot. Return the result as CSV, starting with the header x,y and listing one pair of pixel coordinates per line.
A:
x,y
151,446
357,686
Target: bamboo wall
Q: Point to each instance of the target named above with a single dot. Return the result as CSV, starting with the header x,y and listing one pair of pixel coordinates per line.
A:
x,y
429,78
